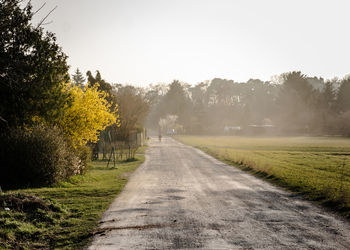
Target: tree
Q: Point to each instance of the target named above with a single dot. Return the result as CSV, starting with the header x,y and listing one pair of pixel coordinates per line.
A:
x,y
78,78
33,68
323,109
328,95
295,102
87,116
199,111
220,91
226,103
153,97
260,97
198,93
343,100
176,102
133,109
102,84
296,83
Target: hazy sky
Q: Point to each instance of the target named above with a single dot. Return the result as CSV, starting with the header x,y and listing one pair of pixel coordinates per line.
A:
x,y
150,41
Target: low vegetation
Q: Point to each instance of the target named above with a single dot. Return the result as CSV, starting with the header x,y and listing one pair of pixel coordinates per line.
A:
x,y
317,167
37,157
63,216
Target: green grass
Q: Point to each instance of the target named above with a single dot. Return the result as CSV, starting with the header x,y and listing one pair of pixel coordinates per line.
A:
x,y
76,208
141,150
312,166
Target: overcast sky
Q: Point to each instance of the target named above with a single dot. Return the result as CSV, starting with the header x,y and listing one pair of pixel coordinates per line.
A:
x,y
151,41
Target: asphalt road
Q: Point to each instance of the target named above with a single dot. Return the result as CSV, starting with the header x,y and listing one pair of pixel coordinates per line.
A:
x,y
184,199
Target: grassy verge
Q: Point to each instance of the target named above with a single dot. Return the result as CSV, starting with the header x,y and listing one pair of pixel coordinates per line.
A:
x,y
63,216
141,150
318,168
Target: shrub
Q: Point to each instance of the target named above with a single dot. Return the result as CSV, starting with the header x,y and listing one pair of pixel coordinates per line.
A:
x,y
36,157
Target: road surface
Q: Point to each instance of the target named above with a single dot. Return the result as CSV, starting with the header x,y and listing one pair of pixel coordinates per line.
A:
x,y
181,198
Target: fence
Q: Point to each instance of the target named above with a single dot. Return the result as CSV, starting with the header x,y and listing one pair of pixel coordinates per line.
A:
x,y
118,150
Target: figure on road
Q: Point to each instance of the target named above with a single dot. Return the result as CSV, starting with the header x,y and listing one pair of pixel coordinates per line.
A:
x,y
160,134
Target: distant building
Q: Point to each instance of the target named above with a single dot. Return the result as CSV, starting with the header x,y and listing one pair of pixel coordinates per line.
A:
x,y
171,131
232,129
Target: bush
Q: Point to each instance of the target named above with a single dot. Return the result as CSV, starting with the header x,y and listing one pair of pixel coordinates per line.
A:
x,y
36,157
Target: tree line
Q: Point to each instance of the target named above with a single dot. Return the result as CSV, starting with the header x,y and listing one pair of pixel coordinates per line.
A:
x,y
291,103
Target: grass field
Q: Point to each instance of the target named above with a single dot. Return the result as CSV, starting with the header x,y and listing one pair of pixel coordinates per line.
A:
x,y
317,167
67,214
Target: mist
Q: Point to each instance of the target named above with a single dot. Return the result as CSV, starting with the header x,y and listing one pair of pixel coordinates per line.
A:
x,y
289,104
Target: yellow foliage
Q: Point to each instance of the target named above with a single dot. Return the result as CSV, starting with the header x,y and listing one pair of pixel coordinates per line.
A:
x,y
89,114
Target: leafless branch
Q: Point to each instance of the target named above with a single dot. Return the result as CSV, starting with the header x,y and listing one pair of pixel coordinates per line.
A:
x,y
3,120
42,6
46,23
42,20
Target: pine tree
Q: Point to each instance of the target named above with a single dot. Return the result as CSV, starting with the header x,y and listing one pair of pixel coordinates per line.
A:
x,y
78,78
329,95
343,100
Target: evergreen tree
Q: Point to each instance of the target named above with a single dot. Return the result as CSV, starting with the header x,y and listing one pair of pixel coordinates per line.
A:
x,y
295,102
176,102
343,100
78,78
33,68
103,85
328,95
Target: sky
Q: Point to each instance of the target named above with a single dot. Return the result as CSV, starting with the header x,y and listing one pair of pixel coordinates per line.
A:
x,y
140,42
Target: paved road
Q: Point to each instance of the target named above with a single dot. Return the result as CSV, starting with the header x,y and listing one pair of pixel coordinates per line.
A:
x,y
182,198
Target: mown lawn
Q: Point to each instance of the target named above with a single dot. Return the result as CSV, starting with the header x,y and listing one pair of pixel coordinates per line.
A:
x,y
317,167
67,214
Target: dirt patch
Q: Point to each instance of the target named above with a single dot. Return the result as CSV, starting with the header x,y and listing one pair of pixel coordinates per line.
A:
x,y
25,203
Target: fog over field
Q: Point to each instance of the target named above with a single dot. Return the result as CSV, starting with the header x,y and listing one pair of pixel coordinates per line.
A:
x,y
291,104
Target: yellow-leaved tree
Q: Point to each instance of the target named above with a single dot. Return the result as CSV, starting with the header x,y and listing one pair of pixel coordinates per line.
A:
x,y
88,114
